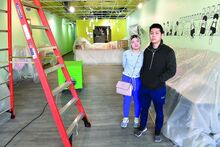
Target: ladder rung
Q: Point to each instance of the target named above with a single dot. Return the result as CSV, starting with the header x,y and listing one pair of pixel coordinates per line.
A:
x,y
60,88
46,48
38,27
51,69
4,82
31,5
4,97
4,66
3,30
67,106
71,127
3,11
5,110
21,57
3,49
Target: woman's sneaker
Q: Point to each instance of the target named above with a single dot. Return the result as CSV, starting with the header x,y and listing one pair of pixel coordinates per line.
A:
x,y
124,122
136,123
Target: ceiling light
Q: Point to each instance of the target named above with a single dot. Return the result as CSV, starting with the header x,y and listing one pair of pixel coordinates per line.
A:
x,y
140,5
71,9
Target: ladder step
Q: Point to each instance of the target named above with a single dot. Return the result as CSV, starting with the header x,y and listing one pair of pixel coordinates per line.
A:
x,y
5,110
3,49
67,106
5,82
72,126
38,27
3,30
60,88
51,69
31,62
21,57
46,48
4,97
3,11
31,5
4,66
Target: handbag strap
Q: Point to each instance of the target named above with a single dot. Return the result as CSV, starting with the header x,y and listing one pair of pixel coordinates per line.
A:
x,y
134,66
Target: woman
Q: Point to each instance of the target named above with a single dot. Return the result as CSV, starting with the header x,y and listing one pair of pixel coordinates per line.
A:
x,y
132,63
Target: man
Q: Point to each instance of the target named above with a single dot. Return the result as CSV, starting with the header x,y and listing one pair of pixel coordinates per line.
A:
x,y
159,65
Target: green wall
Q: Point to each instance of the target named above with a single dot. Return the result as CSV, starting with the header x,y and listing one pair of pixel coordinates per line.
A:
x,y
64,32
62,29
118,28
185,12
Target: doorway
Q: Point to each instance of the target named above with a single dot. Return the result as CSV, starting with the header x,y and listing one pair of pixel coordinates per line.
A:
x,y
102,34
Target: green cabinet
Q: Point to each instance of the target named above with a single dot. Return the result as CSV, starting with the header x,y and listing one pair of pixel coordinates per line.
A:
x,y
75,69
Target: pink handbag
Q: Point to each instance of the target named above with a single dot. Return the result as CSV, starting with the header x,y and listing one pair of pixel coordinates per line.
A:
x,y
124,88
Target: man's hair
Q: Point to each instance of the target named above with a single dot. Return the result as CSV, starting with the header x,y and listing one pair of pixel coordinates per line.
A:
x,y
157,25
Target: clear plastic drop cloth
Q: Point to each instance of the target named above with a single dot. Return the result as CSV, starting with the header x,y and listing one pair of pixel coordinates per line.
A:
x,y
4,97
108,56
98,53
192,109
23,68
81,43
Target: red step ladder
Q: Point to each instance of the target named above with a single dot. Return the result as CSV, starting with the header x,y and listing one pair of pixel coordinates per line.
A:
x,y
8,67
50,94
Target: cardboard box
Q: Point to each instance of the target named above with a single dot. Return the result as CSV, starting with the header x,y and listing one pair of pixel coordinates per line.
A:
x,y
122,44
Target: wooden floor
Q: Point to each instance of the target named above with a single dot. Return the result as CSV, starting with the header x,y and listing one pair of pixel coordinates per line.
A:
x,y
102,104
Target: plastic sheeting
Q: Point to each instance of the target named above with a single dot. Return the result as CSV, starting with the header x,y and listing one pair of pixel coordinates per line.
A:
x,y
23,67
107,56
98,53
193,100
82,43
4,97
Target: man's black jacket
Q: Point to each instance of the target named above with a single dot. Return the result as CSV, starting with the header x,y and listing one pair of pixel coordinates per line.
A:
x,y
159,65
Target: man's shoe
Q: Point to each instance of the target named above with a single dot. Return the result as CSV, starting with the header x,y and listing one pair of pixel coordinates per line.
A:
x,y
139,132
157,138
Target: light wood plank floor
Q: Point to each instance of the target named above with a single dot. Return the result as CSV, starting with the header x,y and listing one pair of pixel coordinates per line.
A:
x,y
102,104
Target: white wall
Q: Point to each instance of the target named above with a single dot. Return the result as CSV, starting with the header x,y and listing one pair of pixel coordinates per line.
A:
x,y
184,12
